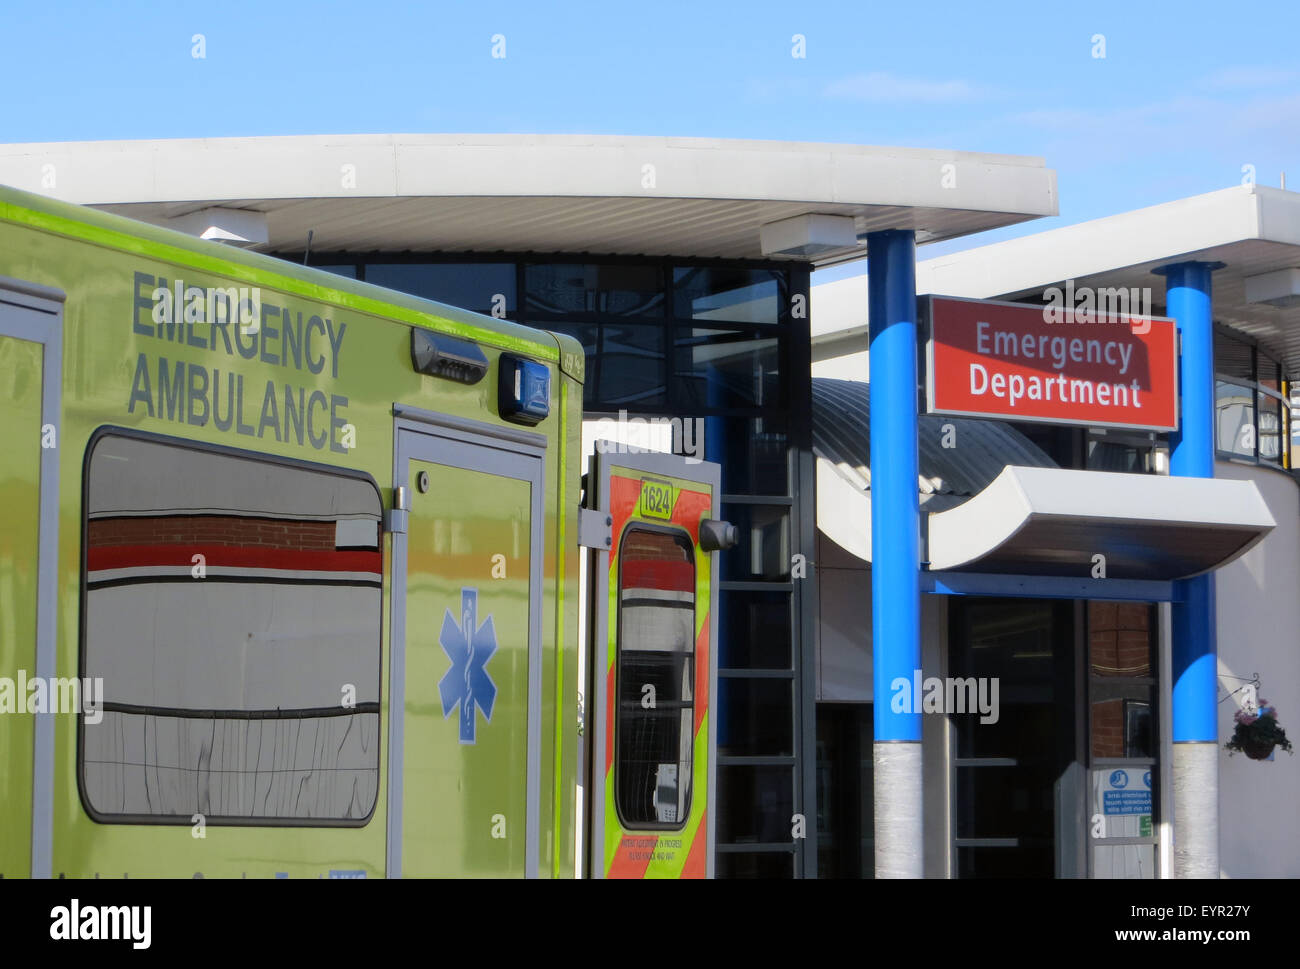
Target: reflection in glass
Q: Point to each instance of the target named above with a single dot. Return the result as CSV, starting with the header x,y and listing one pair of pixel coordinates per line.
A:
x,y
1118,456
728,294
630,368
222,696
1235,416
1119,639
1121,719
1270,428
727,368
560,290
1122,678
763,549
625,364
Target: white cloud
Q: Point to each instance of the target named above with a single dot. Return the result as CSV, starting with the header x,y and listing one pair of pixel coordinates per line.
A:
x,y
1251,126
1240,78
776,89
879,86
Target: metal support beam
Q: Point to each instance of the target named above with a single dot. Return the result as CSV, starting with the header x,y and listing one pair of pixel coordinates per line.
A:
x,y
1194,661
1047,587
895,542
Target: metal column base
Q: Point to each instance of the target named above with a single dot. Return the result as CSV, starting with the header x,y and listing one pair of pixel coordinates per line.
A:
x,y
1196,810
898,798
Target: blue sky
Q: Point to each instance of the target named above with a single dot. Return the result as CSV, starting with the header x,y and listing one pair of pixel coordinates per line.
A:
x,y
1185,96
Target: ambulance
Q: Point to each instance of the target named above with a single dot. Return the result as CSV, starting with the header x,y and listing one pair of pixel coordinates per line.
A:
x,y
300,577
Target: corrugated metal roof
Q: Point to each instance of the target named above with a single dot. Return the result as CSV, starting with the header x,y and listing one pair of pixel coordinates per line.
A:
x,y
948,476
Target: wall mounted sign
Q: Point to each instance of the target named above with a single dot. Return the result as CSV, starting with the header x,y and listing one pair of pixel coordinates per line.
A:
x,y
1020,362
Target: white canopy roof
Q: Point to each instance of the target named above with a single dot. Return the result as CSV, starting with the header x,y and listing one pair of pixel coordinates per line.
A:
x,y
684,197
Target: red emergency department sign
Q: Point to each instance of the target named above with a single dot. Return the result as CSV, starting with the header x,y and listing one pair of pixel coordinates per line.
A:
x,y
1019,362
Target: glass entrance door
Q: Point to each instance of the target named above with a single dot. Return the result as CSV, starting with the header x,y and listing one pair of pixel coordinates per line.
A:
x,y
1008,775
1066,781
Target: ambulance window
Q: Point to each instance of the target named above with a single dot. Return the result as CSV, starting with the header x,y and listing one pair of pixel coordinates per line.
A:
x,y
232,614
655,728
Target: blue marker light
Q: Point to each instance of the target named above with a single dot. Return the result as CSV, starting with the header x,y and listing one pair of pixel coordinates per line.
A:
x,y
524,393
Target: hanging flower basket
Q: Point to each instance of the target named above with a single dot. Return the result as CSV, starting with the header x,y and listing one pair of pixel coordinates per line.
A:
x,y
1257,733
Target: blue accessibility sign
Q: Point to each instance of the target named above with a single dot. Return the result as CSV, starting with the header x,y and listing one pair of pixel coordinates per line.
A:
x,y
469,646
1118,798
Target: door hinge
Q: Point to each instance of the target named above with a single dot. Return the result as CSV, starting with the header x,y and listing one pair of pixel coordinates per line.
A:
x,y
595,529
395,517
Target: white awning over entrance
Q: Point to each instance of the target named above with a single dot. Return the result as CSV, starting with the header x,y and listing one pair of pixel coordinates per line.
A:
x,y
1049,521
995,503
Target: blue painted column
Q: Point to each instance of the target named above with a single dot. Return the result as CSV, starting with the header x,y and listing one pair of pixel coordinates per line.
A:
x,y
1194,659
895,553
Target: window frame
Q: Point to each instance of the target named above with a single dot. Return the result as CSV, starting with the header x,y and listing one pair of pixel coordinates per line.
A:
x,y
680,533
1258,356
170,820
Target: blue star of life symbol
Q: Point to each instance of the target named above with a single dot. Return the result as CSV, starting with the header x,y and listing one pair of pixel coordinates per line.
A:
x,y
469,646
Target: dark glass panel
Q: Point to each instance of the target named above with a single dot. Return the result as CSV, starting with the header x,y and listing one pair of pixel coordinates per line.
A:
x,y
755,864
1032,859
755,804
755,630
753,453
727,368
763,549
1004,802
1270,372
631,365
625,365
845,805
1233,358
478,287
560,290
759,714
731,295
350,271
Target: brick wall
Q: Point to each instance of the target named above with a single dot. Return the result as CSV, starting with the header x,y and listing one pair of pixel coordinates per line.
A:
x,y
653,547
231,530
1119,638
1119,645
1108,728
